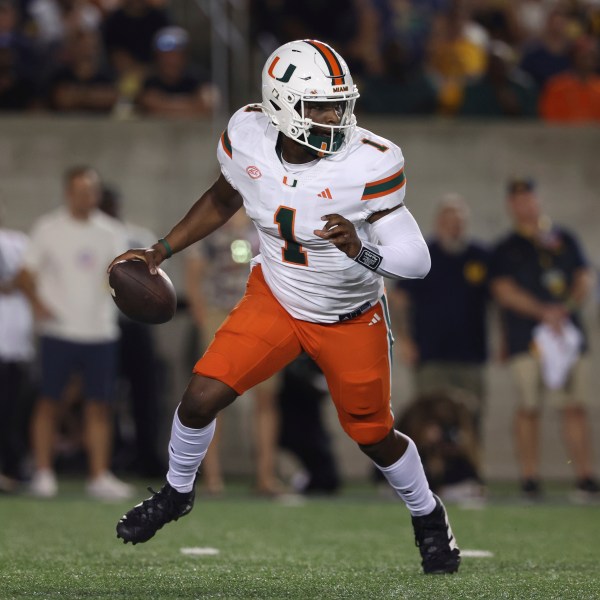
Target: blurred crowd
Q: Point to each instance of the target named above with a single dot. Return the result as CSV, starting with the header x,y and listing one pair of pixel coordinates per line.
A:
x,y
85,389
93,384
100,57
473,58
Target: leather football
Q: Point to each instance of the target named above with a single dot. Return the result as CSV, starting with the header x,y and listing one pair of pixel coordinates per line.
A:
x,y
140,295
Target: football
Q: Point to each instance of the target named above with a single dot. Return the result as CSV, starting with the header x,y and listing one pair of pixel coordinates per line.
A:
x,y
140,295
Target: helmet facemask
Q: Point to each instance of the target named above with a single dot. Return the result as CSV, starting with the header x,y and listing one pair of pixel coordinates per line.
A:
x,y
323,139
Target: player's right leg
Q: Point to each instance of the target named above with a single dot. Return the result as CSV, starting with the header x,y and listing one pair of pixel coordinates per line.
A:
x,y
43,430
266,432
191,434
255,341
527,378
58,360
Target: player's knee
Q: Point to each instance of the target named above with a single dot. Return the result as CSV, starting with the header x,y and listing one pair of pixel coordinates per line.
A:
x,y
203,399
389,449
367,434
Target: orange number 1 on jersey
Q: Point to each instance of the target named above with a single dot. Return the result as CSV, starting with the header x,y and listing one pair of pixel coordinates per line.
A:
x,y
292,251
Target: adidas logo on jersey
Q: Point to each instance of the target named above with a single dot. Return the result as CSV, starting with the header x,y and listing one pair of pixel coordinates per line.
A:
x,y
325,194
376,318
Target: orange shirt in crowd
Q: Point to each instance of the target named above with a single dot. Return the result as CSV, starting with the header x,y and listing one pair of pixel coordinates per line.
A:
x,y
570,99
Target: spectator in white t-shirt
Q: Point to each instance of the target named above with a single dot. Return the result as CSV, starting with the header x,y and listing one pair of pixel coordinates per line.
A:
x,y
65,279
142,370
16,355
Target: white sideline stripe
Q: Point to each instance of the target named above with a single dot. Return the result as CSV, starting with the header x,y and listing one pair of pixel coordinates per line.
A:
x,y
476,553
291,500
199,551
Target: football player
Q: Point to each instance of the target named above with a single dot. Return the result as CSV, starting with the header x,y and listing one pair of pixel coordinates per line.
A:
x,y
327,199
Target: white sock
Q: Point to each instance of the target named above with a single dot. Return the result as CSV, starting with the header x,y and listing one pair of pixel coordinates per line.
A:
x,y
187,448
407,477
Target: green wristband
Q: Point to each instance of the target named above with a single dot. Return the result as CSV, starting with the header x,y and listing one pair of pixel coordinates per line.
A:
x,y
167,247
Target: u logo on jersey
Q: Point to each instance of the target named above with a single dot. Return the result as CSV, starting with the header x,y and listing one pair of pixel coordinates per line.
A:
x,y
289,181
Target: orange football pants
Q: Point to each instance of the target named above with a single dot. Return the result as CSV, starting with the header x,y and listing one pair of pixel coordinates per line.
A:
x,y
259,338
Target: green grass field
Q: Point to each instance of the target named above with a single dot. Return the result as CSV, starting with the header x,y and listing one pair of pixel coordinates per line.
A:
x,y
356,546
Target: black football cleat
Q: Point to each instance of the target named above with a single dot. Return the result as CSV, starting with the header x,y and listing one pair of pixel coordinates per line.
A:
x,y
436,542
146,518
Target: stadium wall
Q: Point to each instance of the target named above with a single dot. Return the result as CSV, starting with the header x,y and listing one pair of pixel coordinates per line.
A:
x,y
161,168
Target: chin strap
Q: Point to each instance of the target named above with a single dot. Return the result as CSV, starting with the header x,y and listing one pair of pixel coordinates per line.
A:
x,y
319,144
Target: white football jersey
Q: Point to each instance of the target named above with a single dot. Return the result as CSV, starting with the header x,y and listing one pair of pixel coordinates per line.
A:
x,y
309,276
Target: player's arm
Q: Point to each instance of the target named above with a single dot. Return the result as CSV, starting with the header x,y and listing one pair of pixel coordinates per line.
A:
x,y
193,277
7,287
214,208
583,280
512,296
70,96
199,102
401,308
26,282
402,253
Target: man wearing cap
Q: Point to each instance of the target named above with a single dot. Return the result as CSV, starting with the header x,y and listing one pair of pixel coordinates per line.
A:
x,y
174,89
540,278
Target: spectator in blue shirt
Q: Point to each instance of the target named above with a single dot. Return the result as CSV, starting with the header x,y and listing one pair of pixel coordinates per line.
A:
x,y
550,55
442,318
503,91
175,88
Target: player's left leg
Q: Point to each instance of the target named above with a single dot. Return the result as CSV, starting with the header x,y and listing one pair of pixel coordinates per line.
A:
x,y
266,430
355,358
212,474
397,457
99,372
57,361
572,402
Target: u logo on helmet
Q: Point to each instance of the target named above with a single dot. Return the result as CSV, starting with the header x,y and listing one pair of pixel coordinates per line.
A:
x,y
288,72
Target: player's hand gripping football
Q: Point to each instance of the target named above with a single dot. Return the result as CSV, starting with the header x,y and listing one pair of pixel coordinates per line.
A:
x,y
151,256
341,233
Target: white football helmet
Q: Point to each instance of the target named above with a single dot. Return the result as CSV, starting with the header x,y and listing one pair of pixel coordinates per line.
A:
x,y
308,71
